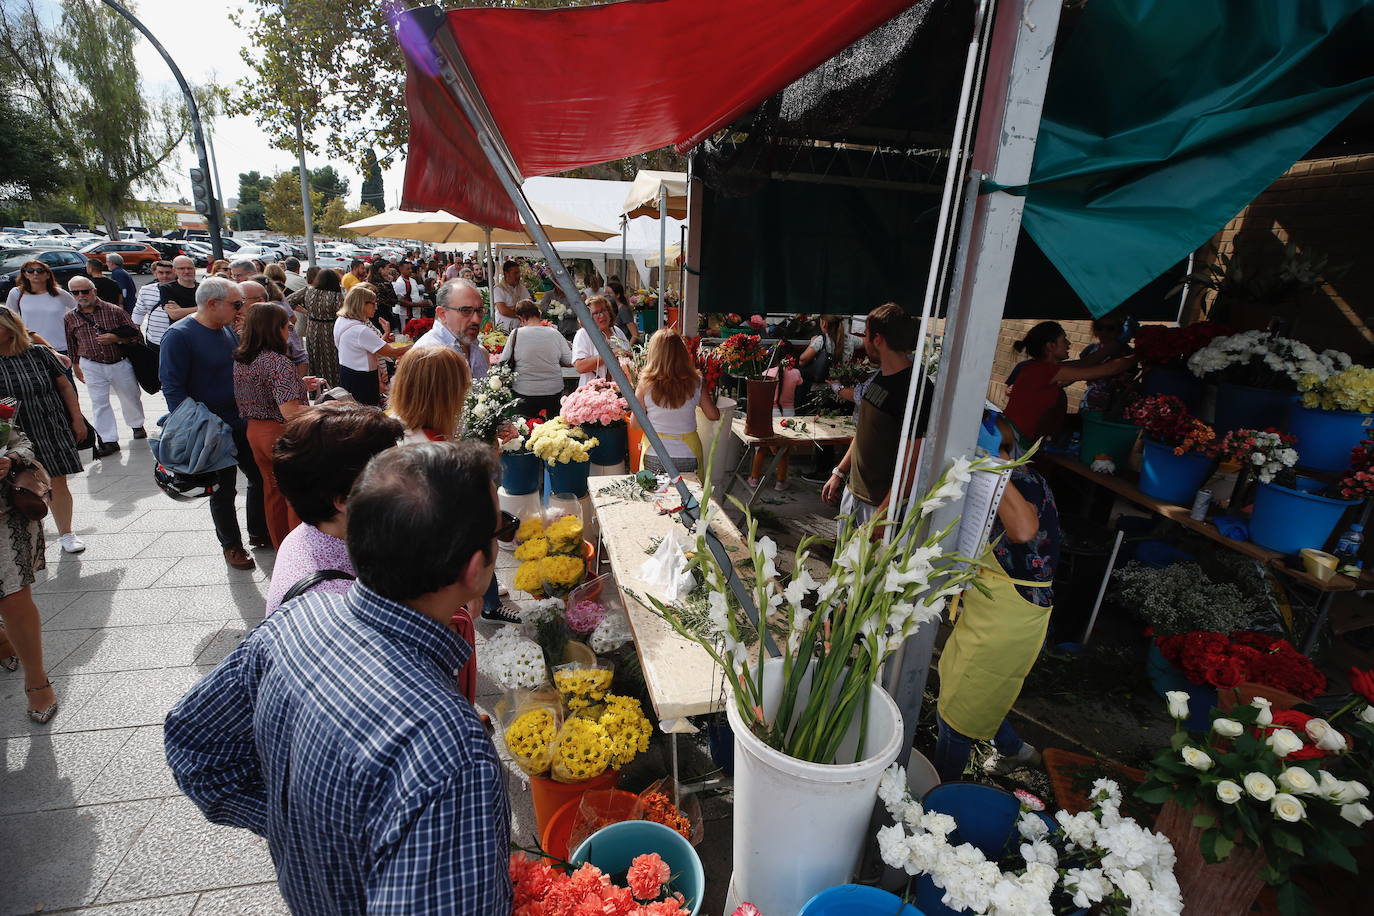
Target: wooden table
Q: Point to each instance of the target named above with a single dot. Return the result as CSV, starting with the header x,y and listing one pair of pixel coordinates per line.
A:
x,y
682,679
818,431
1326,589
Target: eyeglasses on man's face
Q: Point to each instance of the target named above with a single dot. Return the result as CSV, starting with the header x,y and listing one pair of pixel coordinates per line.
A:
x,y
466,311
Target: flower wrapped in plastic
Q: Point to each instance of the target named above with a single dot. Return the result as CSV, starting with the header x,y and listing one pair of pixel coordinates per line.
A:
x,y
565,535
584,615
582,751
627,727
491,404
656,804
582,686
530,726
597,402
561,574
515,662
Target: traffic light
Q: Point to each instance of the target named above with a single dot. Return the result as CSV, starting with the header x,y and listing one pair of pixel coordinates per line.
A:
x,y
200,191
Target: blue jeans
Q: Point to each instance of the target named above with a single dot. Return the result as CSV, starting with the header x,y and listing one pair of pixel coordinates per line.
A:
x,y
952,749
492,599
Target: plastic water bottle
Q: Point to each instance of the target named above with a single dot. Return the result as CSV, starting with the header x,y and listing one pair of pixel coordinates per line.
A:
x,y
1348,547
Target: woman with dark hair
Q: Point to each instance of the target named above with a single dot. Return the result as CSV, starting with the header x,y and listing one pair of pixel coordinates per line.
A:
x,y
1037,404
268,392
316,460
538,355
321,302
624,315
41,303
386,296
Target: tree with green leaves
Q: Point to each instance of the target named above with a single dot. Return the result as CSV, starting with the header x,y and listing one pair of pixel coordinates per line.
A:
x,y
250,214
281,204
81,79
335,215
328,182
373,194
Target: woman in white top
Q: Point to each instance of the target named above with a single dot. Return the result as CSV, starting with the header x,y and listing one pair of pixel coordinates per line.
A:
x,y
42,304
670,387
538,355
586,360
360,346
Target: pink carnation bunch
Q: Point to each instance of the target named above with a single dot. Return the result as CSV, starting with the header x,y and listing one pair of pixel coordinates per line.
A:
x,y
584,616
598,401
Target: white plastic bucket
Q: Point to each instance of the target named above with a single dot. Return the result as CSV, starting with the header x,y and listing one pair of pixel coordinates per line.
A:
x,y
800,827
523,506
730,447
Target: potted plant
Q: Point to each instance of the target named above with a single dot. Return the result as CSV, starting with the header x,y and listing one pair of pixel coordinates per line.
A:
x,y
745,357
1179,448
566,451
977,849
1246,800
1257,374
813,727
1163,354
599,409
1332,416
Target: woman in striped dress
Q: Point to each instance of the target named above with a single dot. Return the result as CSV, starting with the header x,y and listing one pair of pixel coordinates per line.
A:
x,y
321,304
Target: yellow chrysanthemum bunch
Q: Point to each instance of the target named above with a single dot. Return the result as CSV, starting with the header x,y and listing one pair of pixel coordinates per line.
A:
x,y
530,740
531,527
565,535
625,724
529,578
562,574
557,442
582,687
583,751
1351,389
533,549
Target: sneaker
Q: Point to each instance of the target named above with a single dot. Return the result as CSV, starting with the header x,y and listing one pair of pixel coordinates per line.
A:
x,y
71,543
780,486
499,615
502,590
754,483
239,558
1005,765
140,432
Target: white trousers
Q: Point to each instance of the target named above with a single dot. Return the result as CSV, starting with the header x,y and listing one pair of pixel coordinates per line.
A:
x,y
100,379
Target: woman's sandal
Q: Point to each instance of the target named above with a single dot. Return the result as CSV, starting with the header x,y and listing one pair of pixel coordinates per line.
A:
x,y
41,716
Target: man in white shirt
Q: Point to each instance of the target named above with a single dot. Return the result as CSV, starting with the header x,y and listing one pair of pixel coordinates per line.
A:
x,y
409,298
458,320
146,304
506,295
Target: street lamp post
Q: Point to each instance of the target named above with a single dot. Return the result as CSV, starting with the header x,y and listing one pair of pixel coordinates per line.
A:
x,y
213,216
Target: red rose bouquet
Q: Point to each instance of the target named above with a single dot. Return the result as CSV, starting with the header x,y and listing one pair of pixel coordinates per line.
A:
x,y
1166,419
1243,657
1358,482
1159,345
417,327
708,363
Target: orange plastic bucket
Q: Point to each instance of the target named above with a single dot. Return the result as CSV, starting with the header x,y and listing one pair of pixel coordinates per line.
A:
x,y
636,436
558,831
548,795
671,313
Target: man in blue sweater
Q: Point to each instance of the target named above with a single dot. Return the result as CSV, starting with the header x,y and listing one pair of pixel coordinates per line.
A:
x,y
197,363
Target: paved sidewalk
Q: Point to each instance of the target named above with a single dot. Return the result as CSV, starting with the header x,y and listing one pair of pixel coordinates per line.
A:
x,y
91,821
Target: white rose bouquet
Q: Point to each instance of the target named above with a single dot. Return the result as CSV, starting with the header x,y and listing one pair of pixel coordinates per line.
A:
x,y
491,404
1254,783
1264,360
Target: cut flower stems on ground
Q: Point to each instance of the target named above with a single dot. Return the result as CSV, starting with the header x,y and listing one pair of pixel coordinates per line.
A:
x,y
841,630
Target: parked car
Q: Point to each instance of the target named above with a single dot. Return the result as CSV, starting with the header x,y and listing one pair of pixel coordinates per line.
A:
x,y
167,248
333,257
198,252
64,263
137,255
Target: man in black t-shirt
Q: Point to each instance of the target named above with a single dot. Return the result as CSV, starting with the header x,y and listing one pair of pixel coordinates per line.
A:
x,y
179,296
862,481
106,289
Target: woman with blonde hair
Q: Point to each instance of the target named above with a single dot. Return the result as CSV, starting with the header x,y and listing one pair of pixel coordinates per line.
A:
x,y
671,389
428,392
360,347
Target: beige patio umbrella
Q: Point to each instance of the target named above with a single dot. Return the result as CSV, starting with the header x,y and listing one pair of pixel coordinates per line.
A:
x,y
647,188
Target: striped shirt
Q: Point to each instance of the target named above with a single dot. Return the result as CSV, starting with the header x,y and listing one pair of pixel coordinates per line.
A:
x,y
146,307
336,731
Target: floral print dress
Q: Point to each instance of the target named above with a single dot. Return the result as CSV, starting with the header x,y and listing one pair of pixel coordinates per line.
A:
x,y
1037,559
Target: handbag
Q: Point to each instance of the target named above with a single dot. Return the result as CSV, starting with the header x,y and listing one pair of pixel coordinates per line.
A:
x,y
144,359
30,489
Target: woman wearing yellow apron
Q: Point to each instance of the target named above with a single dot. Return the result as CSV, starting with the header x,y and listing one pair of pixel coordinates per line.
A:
x,y
997,636
671,390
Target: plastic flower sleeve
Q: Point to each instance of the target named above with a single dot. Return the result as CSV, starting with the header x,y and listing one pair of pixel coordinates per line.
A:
x,y
582,686
530,723
656,804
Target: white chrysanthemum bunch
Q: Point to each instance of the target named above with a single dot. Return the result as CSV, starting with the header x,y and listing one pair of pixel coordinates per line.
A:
x,y
1281,355
516,663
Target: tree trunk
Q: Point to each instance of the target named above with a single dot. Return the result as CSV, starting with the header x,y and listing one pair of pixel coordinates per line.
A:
x,y
111,218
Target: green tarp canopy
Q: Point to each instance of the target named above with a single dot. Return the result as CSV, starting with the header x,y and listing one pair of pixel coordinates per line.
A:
x,y
1164,118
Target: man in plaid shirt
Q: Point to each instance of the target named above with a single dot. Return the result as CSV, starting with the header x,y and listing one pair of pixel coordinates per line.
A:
x,y
336,731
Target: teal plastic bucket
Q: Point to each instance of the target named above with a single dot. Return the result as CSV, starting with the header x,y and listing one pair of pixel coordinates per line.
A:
x,y
520,472
1106,437
613,442
1244,407
1287,520
857,900
1325,437
567,477
1172,478
614,847
647,321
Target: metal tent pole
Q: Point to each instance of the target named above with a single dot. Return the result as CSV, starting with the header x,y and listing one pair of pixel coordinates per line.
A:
x,y
662,251
461,86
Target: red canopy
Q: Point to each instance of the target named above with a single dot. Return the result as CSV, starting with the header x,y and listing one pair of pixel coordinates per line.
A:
x,y
578,86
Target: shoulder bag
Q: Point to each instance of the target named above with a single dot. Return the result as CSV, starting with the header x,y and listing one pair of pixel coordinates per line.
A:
x,y
139,354
312,580
512,349
30,489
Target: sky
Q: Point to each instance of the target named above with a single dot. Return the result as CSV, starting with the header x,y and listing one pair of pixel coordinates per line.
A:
x,y
205,44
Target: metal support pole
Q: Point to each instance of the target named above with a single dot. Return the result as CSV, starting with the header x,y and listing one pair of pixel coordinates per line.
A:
x,y
461,86
307,211
1013,94
212,218
624,252
691,254
662,253
1102,589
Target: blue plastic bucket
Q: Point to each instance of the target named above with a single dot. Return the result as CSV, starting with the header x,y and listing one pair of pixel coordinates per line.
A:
x,y
857,900
1106,437
1180,383
614,847
986,817
1288,520
721,740
567,477
1172,478
1165,677
520,472
1325,437
1243,407
1308,484
613,442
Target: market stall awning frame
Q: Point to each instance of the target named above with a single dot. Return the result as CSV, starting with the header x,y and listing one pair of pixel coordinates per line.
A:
x,y
441,227
649,185
699,65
